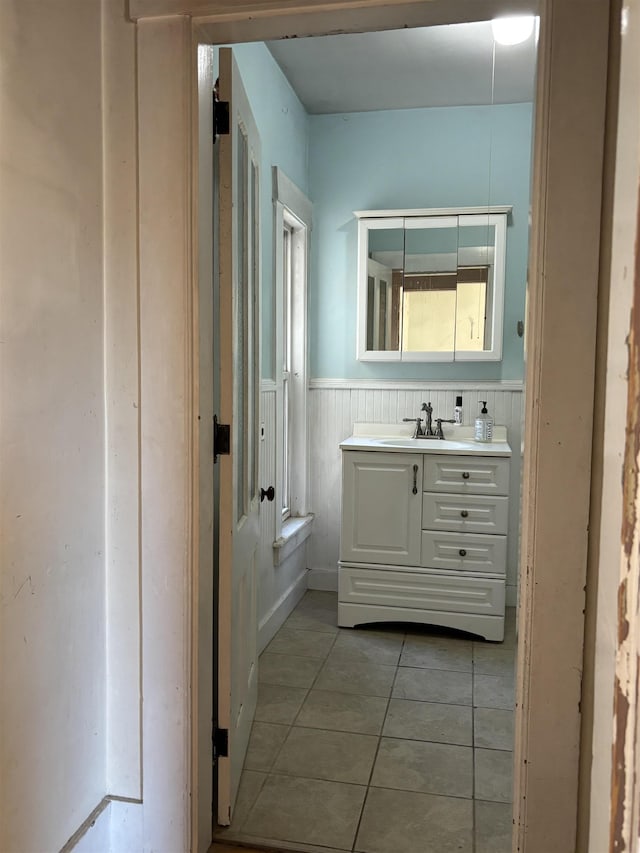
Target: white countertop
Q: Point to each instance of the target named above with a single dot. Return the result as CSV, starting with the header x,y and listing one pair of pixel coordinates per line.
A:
x,y
396,438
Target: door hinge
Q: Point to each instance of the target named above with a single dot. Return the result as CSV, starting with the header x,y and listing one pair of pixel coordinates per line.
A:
x,y
220,118
221,439
220,743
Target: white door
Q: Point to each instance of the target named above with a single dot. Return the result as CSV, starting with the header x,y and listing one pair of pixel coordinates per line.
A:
x,y
239,277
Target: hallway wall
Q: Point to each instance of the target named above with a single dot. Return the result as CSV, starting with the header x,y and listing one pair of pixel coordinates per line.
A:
x,y
52,452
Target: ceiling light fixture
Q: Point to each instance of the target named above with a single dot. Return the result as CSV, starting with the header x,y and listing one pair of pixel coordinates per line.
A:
x,y
512,30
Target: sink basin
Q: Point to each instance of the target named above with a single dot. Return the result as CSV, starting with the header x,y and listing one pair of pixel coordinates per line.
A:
x,y
459,440
435,445
399,442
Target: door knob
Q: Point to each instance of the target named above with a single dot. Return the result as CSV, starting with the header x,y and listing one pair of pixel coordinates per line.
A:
x,y
269,494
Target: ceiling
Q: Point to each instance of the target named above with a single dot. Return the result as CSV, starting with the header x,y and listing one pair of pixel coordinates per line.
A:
x,y
449,65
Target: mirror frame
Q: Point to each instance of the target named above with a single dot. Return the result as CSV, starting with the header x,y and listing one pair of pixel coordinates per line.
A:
x,y
370,220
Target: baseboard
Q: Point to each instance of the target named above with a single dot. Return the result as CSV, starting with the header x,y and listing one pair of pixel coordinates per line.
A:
x,y
324,578
94,834
113,826
271,623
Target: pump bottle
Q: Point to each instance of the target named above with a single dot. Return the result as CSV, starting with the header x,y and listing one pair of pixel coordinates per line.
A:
x,y
457,411
484,424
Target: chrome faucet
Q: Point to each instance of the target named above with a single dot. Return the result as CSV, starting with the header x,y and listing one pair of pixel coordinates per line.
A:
x,y
419,432
428,408
428,431
439,422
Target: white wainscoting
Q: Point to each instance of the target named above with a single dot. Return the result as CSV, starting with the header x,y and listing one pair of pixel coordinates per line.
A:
x,y
335,405
280,586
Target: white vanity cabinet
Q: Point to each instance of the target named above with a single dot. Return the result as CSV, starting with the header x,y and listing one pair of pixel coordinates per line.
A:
x,y
424,539
381,508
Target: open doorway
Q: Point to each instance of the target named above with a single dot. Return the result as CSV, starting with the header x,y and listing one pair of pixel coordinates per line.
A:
x,y
571,112
491,168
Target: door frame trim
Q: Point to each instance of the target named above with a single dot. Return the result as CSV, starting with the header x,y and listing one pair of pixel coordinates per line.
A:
x,y
564,260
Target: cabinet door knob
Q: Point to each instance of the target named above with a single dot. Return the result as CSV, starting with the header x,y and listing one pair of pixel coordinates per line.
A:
x,y
415,479
465,475
462,552
269,494
464,513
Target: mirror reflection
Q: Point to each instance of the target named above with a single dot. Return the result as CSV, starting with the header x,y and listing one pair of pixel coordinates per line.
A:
x,y
433,287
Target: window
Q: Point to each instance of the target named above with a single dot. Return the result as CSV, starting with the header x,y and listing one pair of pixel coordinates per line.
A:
x,y
292,226
287,265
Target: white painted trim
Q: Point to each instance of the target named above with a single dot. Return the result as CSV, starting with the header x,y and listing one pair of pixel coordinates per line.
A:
x,y
267,385
432,211
293,208
92,836
295,532
292,197
415,384
274,619
323,578
113,826
169,543
122,408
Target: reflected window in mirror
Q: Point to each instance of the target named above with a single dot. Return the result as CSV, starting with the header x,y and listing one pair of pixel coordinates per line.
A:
x,y
431,284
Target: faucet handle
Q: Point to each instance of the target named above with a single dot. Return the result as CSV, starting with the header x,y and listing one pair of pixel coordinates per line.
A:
x,y
417,421
439,422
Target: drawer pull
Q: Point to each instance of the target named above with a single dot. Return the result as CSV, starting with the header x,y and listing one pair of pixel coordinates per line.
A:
x,y
415,479
465,475
462,552
464,513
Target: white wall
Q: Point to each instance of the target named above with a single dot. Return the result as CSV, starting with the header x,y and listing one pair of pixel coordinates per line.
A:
x,y
334,407
52,451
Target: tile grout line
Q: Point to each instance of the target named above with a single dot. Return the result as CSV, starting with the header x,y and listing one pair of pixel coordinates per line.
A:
x,y
295,717
270,771
375,757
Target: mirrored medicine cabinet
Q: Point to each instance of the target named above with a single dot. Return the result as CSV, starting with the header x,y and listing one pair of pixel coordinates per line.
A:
x,y
431,284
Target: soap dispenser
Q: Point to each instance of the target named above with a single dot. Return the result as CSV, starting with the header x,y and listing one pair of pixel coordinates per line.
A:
x,y
484,424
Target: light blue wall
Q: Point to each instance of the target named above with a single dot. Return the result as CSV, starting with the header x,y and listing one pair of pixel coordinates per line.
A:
x,y
283,125
440,157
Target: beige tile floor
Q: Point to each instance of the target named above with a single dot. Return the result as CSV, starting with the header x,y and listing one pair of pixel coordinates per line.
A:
x,y
396,739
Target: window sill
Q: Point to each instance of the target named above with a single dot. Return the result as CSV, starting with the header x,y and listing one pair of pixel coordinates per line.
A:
x,y
295,531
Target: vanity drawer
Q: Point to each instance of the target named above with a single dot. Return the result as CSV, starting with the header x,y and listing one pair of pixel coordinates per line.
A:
x,y
420,590
464,552
484,475
466,513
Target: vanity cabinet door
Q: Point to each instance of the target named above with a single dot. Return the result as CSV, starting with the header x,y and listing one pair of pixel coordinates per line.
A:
x,y
382,507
